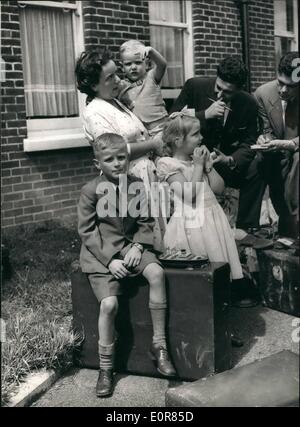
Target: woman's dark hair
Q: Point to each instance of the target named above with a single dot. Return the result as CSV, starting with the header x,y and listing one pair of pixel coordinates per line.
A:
x,y
286,66
233,70
88,70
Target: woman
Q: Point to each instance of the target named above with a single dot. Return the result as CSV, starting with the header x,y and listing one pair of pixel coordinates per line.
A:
x,y
96,77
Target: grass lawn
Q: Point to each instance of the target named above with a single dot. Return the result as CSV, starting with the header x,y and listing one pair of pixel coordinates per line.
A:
x,y
36,301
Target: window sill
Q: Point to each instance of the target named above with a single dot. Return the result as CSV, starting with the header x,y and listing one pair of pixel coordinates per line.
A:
x,y
55,142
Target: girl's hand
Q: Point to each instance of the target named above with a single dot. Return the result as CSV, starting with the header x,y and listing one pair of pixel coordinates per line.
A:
x,y
200,155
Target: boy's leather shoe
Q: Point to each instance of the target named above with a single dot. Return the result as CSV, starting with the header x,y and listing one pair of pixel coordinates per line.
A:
x,y
104,385
163,363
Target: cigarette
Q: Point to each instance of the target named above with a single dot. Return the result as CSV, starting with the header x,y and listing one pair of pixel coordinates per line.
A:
x,y
214,100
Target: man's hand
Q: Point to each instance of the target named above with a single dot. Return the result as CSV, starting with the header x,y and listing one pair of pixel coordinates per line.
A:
x,y
133,257
216,110
221,158
263,139
280,144
201,155
117,269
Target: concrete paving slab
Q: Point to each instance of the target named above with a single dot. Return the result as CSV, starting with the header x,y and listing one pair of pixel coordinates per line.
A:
x,y
264,332
77,389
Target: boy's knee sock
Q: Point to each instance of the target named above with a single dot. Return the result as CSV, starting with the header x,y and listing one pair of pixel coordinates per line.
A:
x,y
158,315
106,355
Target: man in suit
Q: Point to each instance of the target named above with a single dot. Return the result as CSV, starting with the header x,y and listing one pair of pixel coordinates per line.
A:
x,y
117,237
278,102
228,119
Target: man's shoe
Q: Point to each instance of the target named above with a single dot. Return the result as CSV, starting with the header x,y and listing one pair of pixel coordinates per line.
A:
x,y
163,363
236,341
104,385
245,303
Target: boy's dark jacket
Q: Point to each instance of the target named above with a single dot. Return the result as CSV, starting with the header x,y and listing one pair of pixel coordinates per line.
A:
x,y
103,238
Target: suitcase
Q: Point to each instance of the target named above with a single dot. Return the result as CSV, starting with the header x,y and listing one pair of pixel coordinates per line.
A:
x,y
198,324
279,280
270,382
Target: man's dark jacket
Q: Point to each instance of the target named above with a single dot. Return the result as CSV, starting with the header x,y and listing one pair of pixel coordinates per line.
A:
x,y
240,130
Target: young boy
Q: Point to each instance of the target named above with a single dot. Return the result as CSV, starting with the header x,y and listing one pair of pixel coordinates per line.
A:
x,y
115,246
140,89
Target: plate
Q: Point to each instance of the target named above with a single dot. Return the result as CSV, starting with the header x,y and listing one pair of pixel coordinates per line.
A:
x,y
182,260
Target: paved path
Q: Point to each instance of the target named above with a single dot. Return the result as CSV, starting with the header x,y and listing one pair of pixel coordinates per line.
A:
x,y
264,332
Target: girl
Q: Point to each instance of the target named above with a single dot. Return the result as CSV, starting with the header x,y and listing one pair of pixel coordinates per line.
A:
x,y
201,227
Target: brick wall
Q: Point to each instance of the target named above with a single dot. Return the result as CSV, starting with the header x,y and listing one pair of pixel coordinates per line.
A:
x,y
262,42
46,185
217,34
110,23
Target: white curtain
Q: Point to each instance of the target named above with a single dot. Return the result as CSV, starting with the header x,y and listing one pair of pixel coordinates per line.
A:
x,y
166,10
49,61
169,41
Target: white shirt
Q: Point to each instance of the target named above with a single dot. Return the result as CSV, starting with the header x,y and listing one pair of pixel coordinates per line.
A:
x,y
284,105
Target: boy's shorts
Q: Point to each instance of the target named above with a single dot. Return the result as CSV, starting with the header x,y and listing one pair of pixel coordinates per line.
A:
x,y
106,285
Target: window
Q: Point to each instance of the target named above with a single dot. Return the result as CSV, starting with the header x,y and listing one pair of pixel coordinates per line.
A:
x,y
52,38
171,35
286,27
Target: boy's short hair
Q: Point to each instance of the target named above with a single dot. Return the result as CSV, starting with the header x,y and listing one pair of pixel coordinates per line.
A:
x,y
131,45
107,140
287,65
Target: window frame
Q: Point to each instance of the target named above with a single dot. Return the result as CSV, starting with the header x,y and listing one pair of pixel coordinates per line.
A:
x,y
188,43
59,133
291,35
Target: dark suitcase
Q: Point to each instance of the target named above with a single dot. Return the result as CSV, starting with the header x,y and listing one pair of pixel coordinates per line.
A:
x,y
270,382
198,324
279,280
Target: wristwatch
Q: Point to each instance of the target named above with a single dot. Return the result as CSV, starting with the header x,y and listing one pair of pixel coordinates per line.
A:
x,y
139,246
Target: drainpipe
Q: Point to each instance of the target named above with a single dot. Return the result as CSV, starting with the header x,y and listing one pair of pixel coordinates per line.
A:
x,y
244,13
